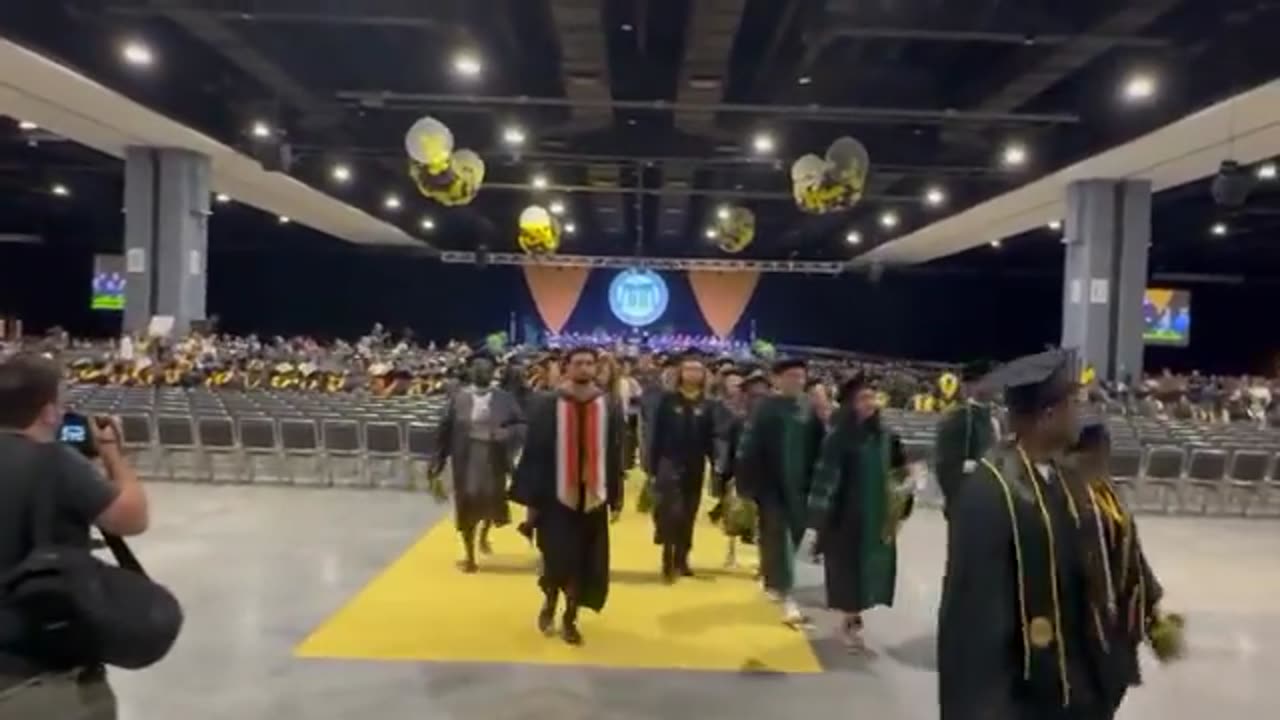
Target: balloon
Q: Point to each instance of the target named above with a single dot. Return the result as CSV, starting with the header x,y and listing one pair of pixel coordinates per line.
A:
x,y
430,142
469,165
736,230
807,168
539,233
848,159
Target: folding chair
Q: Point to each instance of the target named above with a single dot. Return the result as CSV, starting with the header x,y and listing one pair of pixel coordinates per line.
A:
x,y
1206,478
140,441
302,458
344,462
1126,471
178,448
263,461
224,462
422,449
1246,481
1164,468
385,462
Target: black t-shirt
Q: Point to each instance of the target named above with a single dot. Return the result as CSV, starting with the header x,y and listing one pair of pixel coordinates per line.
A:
x,y
80,494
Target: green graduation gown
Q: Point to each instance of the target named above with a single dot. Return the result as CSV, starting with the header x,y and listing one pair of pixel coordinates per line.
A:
x,y
965,433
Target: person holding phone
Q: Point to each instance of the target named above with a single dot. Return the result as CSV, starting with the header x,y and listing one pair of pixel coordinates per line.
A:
x,y
32,418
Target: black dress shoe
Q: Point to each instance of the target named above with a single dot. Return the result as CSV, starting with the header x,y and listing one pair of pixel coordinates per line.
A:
x,y
570,633
686,571
547,622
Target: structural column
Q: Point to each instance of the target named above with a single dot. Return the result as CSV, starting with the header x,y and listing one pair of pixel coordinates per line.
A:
x,y
1108,233
166,203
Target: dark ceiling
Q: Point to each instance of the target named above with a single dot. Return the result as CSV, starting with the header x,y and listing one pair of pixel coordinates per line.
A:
x,y
642,112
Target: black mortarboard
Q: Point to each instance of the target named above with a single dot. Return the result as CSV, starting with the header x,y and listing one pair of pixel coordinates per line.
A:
x,y
1034,382
755,377
785,364
1092,436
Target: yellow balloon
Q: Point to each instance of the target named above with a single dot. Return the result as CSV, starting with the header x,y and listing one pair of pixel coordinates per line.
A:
x,y
949,385
429,142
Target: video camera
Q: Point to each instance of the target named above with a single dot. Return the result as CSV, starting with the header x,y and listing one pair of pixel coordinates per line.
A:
x,y
75,432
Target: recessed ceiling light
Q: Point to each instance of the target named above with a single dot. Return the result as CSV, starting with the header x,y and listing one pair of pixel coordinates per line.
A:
x,y
27,125
1267,171
722,212
763,143
889,219
1140,86
995,244
392,202
539,182
284,220
935,196
427,224
260,130
137,53
222,198
557,207
1219,229
804,79
710,233
467,65
514,136
627,27
1055,225
1014,155
340,173
570,228
853,237
60,190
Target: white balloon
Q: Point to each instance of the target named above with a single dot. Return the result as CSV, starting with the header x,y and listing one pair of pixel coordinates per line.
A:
x,y
427,127
846,153
535,216
807,167
468,161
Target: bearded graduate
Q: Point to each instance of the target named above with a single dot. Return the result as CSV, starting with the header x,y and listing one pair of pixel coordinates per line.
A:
x,y
858,500
570,477
681,442
481,433
776,457
1029,598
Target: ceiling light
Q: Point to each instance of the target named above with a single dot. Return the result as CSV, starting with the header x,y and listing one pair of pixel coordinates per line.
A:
x,y
995,244
1055,225
804,79
722,213
1219,229
427,224
1267,171
137,53
539,182
467,65
627,27
889,219
1015,155
513,136
763,143
853,237
260,130
222,198
557,207
60,190
935,196
570,228
27,125
710,233
340,173
392,202
284,220
1139,87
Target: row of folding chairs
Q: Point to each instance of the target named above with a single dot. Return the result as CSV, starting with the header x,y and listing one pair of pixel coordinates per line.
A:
x,y
280,451
1200,480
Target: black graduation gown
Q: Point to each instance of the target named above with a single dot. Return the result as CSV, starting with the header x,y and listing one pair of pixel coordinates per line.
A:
x,y
574,544
980,649
682,440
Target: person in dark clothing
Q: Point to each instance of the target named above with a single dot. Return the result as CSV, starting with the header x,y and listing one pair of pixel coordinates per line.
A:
x,y
681,441
859,498
965,433
1022,603
570,478
31,461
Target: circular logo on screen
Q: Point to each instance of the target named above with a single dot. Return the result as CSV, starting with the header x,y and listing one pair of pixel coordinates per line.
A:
x,y
638,297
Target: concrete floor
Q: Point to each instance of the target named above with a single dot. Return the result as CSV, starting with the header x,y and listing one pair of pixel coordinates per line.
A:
x,y
259,568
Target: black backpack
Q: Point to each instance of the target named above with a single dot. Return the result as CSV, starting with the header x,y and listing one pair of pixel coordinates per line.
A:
x,y
76,610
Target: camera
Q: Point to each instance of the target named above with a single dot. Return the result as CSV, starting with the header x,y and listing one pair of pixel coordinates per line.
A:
x,y
76,433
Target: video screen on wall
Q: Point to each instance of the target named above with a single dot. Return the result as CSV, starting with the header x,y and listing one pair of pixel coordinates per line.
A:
x,y
1166,317
108,283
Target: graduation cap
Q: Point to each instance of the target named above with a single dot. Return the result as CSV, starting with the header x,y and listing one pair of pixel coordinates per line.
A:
x,y
1034,382
790,363
753,378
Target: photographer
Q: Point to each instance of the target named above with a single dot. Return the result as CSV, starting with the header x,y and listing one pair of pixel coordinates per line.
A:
x,y
31,416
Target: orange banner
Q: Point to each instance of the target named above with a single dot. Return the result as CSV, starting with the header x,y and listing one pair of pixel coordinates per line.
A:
x,y
722,297
555,291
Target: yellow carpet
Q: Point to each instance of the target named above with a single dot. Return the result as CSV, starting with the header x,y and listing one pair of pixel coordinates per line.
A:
x,y
423,608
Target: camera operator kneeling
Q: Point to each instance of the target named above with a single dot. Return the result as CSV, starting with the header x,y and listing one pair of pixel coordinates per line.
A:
x,y
31,458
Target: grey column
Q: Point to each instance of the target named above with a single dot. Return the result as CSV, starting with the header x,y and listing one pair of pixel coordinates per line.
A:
x,y
166,203
1108,233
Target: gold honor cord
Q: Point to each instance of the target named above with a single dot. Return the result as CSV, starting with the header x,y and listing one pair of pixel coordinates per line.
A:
x,y
1017,553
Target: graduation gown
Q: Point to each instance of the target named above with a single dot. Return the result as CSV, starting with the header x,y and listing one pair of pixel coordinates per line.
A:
x,y
681,441
964,435
1014,638
481,454
571,524
776,456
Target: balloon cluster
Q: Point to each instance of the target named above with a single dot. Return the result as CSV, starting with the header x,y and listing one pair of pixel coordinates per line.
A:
x,y
448,176
833,183
734,229
539,231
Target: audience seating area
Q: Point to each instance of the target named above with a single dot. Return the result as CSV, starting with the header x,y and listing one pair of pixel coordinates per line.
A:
x,y
287,438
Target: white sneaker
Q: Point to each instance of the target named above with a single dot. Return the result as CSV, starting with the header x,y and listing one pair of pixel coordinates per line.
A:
x,y
791,613
773,595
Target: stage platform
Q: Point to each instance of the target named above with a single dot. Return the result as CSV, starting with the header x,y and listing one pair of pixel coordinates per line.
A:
x,y
338,604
